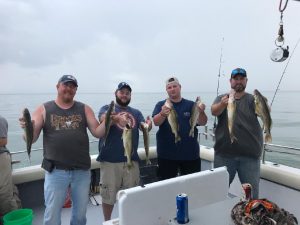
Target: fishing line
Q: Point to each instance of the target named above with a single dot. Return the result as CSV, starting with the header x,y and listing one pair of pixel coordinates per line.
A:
x,y
284,72
219,75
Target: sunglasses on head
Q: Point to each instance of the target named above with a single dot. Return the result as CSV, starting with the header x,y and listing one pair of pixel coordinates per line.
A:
x,y
238,71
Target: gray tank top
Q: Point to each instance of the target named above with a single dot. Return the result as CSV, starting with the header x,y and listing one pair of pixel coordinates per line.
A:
x,y
65,137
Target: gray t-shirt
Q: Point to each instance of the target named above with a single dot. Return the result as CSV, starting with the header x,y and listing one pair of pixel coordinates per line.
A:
x,y
246,129
3,132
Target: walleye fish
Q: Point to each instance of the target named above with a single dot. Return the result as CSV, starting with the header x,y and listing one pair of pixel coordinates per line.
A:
x,y
263,111
108,121
172,119
231,107
194,116
145,129
127,143
28,130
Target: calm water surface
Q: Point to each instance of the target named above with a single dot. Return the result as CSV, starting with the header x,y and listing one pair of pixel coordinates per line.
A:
x,y
285,114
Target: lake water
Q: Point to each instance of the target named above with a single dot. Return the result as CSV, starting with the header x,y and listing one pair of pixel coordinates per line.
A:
x,y
285,114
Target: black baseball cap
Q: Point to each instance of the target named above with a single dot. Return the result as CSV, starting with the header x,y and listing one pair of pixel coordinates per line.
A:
x,y
68,78
123,85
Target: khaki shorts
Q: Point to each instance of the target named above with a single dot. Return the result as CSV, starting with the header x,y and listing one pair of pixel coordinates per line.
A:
x,y
8,198
115,177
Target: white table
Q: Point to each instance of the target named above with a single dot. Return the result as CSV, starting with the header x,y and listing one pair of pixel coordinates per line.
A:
x,y
218,213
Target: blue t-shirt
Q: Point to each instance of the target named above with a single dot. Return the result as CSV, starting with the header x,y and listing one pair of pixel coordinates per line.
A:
x,y
188,147
113,151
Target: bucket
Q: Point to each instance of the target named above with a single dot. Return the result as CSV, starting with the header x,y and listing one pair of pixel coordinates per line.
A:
x,y
18,217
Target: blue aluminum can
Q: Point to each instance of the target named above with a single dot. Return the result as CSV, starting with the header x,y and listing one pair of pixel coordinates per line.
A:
x,y
182,208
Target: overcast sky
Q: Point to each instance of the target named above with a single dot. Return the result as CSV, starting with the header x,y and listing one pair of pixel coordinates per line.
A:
x,y
143,42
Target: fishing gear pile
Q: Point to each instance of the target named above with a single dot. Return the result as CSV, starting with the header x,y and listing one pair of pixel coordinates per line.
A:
x,y
259,211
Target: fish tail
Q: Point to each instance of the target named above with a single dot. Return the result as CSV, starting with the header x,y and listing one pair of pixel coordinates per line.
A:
x,y
268,138
177,138
232,138
191,133
148,162
129,164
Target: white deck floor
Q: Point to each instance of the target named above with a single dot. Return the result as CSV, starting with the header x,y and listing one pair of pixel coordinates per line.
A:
x,y
94,215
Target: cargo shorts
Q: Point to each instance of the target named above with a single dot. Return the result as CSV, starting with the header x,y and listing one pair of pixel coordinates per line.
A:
x,y
115,177
8,192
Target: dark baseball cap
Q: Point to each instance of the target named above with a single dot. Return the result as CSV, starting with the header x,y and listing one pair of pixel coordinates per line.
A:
x,y
123,85
68,78
238,71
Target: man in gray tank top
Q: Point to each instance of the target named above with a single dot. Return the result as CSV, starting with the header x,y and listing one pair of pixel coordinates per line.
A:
x,y
239,139
66,150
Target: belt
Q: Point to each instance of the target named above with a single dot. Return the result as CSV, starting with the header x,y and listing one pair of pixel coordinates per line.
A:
x,y
59,167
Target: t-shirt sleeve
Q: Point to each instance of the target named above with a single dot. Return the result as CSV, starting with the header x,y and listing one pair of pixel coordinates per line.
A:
x,y
217,99
140,117
157,109
102,110
3,127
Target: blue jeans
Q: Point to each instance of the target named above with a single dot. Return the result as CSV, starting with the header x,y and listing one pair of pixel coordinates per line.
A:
x,y
55,190
248,169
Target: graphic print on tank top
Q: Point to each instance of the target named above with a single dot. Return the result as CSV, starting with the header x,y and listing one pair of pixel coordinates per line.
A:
x,y
65,122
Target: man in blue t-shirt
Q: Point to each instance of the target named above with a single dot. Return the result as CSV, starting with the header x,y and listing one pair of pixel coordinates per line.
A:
x,y
177,155
115,173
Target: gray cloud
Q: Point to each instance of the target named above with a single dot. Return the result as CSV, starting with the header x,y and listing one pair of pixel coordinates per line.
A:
x,y
142,42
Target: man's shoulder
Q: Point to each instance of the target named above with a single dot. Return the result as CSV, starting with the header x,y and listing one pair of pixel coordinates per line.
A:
x,y
133,110
2,119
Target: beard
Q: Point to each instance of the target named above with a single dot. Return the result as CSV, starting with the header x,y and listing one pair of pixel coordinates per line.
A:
x,y
121,103
239,88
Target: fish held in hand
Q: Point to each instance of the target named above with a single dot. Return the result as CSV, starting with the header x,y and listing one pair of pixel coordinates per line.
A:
x,y
110,110
145,129
262,110
28,130
194,116
172,119
128,144
231,110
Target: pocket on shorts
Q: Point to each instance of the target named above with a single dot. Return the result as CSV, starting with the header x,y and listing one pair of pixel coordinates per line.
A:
x,y
104,191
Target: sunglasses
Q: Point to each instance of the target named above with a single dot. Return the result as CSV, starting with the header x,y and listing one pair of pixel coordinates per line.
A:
x,y
239,71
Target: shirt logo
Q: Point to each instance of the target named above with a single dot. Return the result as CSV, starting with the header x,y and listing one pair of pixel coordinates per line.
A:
x,y
187,114
131,119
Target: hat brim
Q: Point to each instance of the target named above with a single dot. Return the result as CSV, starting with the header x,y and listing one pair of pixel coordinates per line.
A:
x,y
71,81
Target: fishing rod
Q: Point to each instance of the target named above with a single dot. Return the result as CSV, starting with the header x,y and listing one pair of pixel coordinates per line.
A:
x,y
218,86
284,72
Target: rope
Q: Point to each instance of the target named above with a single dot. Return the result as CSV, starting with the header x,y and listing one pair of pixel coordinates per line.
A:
x,y
282,9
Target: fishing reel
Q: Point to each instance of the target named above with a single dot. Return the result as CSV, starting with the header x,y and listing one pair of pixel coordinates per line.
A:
x,y
280,54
